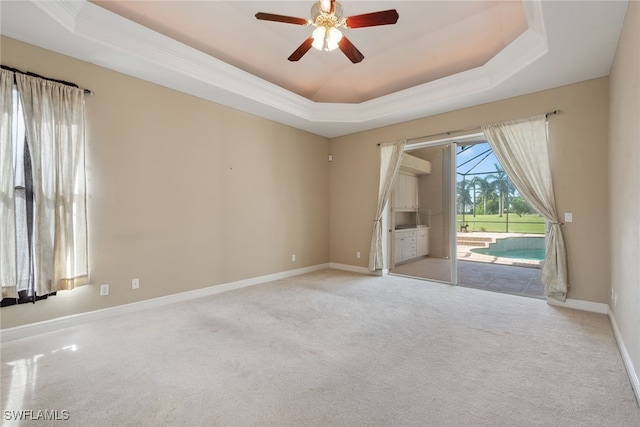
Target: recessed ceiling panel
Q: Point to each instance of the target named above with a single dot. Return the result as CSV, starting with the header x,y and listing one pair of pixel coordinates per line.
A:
x,y
431,40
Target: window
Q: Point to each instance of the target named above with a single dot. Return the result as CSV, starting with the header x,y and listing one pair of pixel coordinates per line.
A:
x,y
42,201
23,204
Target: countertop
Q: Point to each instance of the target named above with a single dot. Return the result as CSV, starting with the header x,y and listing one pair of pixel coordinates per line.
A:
x,y
410,227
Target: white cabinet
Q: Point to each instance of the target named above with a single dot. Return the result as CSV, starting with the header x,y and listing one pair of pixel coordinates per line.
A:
x,y
405,192
410,244
406,245
397,250
411,200
409,247
423,241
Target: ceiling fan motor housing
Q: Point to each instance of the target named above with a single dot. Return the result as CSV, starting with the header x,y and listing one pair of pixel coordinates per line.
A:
x,y
319,18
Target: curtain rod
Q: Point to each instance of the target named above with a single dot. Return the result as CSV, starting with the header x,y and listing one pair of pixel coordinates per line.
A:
x,y
15,70
476,128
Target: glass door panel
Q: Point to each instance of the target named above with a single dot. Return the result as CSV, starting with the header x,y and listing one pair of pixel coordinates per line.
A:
x,y
423,214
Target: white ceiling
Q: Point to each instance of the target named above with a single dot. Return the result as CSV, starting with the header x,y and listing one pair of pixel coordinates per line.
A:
x,y
452,37
440,56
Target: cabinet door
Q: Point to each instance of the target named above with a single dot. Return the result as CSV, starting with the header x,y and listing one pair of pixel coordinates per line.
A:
x,y
411,195
423,243
405,192
397,250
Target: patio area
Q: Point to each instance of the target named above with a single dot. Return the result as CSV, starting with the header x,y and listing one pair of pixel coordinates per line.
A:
x,y
486,272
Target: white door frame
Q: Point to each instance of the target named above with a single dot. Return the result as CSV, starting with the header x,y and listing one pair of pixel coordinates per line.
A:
x,y
419,143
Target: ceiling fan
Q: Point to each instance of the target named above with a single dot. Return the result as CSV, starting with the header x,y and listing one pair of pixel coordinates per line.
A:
x,y
326,16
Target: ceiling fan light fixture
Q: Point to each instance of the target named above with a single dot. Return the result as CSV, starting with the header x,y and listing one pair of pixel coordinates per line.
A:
x,y
326,38
318,37
326,16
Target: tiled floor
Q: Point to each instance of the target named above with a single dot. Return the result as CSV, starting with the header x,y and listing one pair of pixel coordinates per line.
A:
x,y
524,281
510,279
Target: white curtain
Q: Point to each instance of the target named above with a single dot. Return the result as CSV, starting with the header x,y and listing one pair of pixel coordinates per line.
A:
x,y
390,159
521,146
8,252
54,117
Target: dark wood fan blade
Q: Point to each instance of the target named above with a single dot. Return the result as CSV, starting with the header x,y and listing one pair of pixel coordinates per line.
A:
x,y
350,50
281,18
301,50
384,17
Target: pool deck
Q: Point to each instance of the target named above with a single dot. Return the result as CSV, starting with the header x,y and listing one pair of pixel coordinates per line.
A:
x,y
465,254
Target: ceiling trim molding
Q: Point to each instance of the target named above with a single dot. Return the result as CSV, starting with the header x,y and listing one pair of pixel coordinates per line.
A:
x,y
63,12
124,46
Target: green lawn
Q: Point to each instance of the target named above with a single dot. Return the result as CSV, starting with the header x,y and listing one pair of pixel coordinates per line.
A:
x,y
533,223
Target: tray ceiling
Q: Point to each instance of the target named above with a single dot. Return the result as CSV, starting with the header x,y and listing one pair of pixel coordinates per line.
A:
x,y
440,56
430,41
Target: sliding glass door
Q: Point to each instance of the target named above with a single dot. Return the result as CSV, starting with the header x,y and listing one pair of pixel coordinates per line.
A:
x,y
423,213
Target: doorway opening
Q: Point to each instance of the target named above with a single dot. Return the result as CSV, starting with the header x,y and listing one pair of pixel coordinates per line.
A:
x,y
461,221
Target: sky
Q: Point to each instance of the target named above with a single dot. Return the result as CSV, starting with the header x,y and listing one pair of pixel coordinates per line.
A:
x,y
480,164
483,163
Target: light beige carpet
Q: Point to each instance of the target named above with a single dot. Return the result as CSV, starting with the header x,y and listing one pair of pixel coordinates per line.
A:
x,y
329,349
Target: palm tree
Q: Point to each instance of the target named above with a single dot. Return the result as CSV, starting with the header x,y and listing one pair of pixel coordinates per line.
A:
x,y
464,199
485,188
503,186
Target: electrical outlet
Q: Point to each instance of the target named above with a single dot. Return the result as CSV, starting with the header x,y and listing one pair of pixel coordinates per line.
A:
x,y
135,283
357,254
293,257
104,290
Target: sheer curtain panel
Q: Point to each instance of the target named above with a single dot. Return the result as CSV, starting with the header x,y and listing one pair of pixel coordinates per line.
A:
x,y
390,159
8,253
54,118
521,146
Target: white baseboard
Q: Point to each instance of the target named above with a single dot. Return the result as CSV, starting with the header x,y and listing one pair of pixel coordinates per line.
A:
x,y
626,359
594,307
31,329
354,269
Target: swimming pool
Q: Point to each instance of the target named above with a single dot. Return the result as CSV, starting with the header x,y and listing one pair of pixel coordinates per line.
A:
x,y
531,248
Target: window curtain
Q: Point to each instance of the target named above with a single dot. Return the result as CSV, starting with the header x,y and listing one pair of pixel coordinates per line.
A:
x,y
8,251
521,146
54,117
390,159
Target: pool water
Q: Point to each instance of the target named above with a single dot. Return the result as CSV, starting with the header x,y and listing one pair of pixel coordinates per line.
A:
x,y
531,248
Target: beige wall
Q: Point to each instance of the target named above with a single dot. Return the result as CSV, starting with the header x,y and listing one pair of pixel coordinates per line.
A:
x,y
579,166
625,184
183,193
